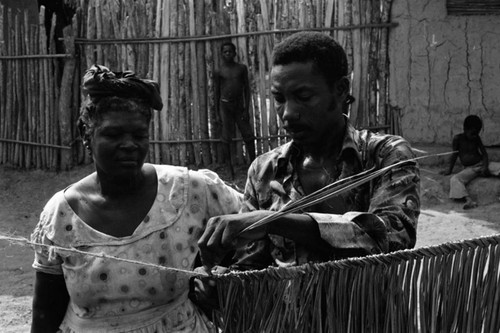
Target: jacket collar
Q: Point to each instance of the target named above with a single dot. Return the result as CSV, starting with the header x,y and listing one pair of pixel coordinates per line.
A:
x,y
351,146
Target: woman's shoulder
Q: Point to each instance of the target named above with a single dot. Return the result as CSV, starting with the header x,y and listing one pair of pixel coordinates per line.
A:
x,y
167,172
176,174
74,192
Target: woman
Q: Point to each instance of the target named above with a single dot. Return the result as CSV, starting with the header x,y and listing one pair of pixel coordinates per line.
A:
x,y
126,209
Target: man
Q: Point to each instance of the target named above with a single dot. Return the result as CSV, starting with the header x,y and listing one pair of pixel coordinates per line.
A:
x,y
310,89
232,100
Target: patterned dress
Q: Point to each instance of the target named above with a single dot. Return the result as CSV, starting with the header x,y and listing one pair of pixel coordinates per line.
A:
x,y
107,295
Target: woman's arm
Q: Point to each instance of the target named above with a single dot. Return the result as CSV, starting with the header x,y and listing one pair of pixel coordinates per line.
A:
x,y
50,301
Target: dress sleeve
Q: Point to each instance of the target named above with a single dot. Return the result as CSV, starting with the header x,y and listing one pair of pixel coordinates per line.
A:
x,y
394,206
221,198
46,260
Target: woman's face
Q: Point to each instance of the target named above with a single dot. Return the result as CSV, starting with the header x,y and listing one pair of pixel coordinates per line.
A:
x,y
120,143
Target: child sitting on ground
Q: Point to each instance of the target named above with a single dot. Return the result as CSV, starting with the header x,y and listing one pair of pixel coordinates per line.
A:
x,y
474,158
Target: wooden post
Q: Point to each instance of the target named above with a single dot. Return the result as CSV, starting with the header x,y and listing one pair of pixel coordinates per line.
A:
x,y
3,76
165,80
356,108
174,87
183,112
196,111
53,98
65,99
156,76
17,82
212,51
261,51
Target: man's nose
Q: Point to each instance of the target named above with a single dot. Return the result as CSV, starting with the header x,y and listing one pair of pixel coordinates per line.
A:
x,y
290,112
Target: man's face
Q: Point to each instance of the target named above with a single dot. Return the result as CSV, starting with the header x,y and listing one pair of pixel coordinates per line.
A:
x,y
228,53
309,108
472,133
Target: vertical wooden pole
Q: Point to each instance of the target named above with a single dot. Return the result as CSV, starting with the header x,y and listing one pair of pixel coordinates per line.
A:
x,y
202,91
19,105
65,98
37,101
27,91
52,74
356,108
384,64
156,77
174,87
91,34
165,80
196,111
212,18
373,61
3,78
130,33
42,38
182,110
261,51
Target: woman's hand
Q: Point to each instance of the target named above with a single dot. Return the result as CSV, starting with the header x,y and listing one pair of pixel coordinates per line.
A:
x,y
223,234
203,289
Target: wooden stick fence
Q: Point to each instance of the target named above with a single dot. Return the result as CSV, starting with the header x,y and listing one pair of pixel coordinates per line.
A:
x,y
178,44
29,133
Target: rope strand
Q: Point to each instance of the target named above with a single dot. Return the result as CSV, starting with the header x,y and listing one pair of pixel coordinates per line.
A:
x,y
25,241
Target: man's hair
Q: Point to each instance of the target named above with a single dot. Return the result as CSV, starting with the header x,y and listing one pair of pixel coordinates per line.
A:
x,y
327,55
473,122
228,44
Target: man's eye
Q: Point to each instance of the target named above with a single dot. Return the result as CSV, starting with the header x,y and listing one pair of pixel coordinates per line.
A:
x,y
304,97
279,99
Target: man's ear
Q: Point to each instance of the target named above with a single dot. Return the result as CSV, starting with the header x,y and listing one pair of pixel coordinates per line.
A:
x,y
343,86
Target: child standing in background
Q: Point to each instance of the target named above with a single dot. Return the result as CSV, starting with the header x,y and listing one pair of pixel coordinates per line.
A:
x,y
470,149
232,101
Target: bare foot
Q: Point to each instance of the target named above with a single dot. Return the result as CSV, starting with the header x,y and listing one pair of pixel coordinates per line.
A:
x,y
470,205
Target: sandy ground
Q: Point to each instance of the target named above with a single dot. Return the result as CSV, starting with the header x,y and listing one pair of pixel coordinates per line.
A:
x,y
23,194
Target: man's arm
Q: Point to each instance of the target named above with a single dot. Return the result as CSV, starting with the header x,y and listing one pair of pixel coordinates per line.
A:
x,y
485,171
50,301
453,158
246,89
217,90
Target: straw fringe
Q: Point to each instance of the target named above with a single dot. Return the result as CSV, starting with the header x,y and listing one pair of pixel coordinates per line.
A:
x,y
445,288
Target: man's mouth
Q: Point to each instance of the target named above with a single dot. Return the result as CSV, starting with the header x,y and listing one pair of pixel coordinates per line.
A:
x,y
293,130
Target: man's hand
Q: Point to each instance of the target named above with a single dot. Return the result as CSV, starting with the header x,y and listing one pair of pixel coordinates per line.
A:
x,y
445,172
222,235
485,171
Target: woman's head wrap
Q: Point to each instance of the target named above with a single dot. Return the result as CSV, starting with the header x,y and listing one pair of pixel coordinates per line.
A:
x,y
99,82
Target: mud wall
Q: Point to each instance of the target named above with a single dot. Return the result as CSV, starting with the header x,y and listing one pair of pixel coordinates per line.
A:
x,y
443,68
